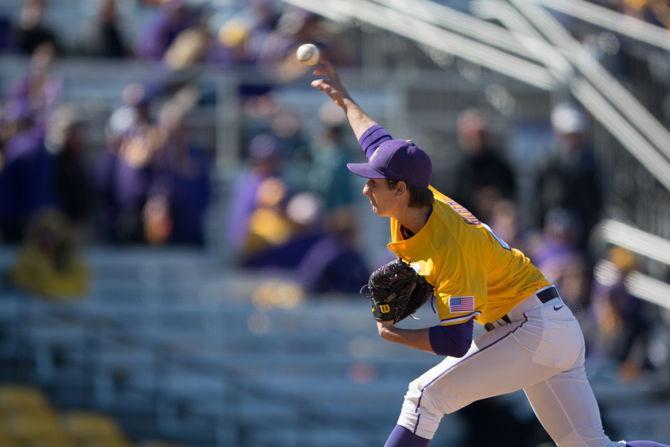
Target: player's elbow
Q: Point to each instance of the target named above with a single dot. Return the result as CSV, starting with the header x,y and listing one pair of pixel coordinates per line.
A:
x,y
455,350
459,351
453,341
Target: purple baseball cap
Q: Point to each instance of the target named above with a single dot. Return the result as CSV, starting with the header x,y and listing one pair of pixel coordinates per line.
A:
x,y
397,160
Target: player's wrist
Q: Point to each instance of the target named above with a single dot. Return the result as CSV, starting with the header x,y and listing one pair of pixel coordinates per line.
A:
x,y
385,329
348,102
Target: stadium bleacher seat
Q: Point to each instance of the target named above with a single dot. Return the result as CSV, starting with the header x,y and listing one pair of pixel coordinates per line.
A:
x,y
157,444
37,430
22,399
94,429
27,419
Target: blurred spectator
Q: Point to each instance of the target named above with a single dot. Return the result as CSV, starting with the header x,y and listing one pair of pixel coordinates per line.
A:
x,y
26,172
48,263
127,168
334,263
233,45
180,194
105,37
623,325
197,45
504,222
294,228
656,12
295,148
188,48
32,32
482,176
570,178
560,259
328,174
40,88
295,27
323,259
173,17
264,21
73,187
268,224
265,159
6,34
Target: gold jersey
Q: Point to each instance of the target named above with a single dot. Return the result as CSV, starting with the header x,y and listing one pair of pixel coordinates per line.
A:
x,y
475,273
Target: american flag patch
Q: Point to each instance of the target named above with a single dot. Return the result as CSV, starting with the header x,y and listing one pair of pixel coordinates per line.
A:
x,y
461,304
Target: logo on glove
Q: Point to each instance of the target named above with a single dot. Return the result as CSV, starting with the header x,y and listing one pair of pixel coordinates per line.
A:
x,y
397,291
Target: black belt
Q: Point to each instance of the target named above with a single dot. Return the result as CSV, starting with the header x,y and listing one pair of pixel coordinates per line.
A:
x,y
548,294
544,296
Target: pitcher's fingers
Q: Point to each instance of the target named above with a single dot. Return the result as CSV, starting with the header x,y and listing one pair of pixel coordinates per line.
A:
x,y
325,68
318,84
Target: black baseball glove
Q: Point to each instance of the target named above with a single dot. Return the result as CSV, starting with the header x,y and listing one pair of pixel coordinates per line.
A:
x,y
397,291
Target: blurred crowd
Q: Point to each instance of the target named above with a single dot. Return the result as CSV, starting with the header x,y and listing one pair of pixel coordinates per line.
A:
x,y
179,33
656,12
151,182
293,205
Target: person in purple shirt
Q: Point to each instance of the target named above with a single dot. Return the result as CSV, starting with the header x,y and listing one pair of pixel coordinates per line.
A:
x,y
39,88
6,34
263,23
182,180
334,263
173,18
126,171
26,174
265,160
624,322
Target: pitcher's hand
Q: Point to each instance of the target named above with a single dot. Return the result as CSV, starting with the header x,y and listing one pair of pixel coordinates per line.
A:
x,y
330,83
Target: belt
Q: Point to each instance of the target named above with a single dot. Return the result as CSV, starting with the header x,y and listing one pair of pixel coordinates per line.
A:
x,y
543,296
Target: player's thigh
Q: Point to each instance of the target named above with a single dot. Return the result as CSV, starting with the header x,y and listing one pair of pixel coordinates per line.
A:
x,y
567,409
498,367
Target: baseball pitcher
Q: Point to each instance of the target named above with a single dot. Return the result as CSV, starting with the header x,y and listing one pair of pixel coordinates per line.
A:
x,y
532,340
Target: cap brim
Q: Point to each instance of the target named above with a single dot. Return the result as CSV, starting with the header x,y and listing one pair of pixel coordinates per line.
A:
x,y
364,170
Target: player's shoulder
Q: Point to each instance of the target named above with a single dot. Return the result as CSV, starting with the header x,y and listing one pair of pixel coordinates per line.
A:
x,y
452,211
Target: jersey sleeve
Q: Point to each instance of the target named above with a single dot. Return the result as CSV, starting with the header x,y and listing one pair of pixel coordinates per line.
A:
x,y
372,138
461,295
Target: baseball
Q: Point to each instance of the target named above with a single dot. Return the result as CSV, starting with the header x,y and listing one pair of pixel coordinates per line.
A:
x,y
308,54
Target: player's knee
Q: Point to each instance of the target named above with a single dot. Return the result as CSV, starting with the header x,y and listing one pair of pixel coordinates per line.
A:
x,y
413,394
419,397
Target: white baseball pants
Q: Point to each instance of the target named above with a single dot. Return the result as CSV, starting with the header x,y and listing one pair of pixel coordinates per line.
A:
x,y
541,351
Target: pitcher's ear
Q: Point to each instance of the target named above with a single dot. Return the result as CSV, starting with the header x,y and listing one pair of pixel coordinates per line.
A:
x,y
400,187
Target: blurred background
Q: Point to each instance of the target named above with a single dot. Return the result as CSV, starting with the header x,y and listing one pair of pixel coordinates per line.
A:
x,y
181,245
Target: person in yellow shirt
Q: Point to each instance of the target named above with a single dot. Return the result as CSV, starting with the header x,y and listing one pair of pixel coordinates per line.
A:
x,y
532,340
48,262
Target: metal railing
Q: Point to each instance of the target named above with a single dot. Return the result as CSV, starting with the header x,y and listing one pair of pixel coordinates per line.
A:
x,y
605,18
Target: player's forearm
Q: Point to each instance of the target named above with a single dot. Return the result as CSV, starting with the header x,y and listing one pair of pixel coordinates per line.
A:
x,y
358,119
414,338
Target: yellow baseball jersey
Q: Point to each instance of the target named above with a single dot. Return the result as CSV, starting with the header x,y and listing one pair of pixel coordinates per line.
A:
x,y
475,273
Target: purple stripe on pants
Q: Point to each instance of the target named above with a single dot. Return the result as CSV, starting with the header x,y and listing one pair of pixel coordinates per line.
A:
x,y
418,404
